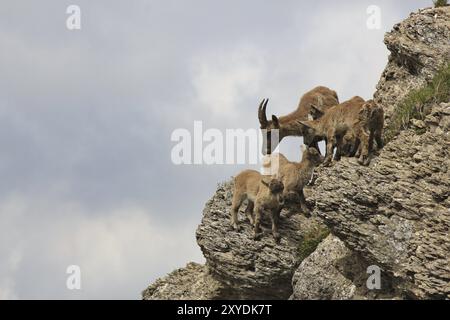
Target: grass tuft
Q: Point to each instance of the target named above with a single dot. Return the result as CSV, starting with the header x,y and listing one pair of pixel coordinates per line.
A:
x,y
310,242
412,106
440,3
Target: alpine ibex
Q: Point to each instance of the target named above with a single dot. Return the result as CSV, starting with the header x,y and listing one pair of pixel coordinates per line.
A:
x,y
335,124
371,125
322,98
264,194
296,175
359,140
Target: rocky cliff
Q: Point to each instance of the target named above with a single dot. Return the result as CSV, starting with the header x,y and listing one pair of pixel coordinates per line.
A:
x,y
239,267
393,214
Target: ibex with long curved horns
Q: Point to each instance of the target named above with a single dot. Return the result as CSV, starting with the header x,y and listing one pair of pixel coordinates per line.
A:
x,y
312,104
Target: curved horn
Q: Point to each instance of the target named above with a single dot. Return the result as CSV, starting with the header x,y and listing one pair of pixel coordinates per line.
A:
x,y
262,113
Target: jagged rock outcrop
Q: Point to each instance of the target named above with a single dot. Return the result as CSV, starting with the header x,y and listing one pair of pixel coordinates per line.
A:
x,y
320,276
237,266
419,47
252,269
394,214
334,272
192,282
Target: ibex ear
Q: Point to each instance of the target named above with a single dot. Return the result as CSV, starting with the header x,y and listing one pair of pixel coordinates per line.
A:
x,y
275,121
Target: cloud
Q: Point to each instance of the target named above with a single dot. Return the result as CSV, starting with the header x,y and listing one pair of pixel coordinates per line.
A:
x,y
224,79
119,252
10,262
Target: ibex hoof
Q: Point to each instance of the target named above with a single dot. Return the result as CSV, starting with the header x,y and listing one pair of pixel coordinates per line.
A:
x,y
364,161
257,236
327,163
276,237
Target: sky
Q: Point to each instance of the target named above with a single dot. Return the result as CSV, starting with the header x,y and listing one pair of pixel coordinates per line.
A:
x,y
86,118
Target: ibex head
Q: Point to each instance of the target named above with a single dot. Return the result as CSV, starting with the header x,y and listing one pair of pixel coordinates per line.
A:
x,y
268,126
370,111
312,155
310,133
275,185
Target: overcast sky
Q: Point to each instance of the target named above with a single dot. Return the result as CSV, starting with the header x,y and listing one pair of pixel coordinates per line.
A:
x,y
86,117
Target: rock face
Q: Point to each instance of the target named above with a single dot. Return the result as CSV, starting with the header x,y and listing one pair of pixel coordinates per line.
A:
x,y
393,214
334,272
396,213
251,269
320,277
192,282
419,47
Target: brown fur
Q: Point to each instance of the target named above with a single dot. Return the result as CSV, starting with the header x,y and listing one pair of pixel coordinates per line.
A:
x,y
263,194
296,175
355,125
337,122
370,128
320,98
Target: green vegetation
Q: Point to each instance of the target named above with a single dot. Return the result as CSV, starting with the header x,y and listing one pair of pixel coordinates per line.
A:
x,y
310,242
440,3
412,106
